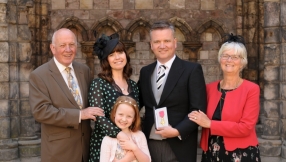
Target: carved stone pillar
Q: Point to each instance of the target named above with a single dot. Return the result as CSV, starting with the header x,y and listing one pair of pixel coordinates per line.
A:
x,y
8,147
270,144
87,48
28,142
250,28
283,76
192,48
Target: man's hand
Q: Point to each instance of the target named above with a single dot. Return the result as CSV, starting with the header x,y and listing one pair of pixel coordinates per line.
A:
x,y
91,113
168,132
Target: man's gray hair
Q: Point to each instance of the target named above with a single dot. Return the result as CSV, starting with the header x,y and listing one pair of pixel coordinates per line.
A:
x,y
55,33
162,24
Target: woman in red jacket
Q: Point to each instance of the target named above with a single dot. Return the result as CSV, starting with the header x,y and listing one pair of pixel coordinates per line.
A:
x,y
228,132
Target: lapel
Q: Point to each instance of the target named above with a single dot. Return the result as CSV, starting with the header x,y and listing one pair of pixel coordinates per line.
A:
x,y
213,99
174,75
81,81
55,73
149,72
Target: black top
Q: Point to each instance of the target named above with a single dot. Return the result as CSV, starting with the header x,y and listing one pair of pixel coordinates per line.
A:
x,y
104,94
218,110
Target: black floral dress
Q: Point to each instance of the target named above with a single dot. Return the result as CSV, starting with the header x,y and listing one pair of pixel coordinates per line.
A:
x,y
216,151
103,94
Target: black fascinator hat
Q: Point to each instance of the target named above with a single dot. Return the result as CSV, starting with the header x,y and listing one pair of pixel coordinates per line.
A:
x,y
105,45
233,38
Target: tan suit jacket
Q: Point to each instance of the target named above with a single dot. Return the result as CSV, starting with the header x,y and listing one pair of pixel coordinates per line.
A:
x,y
63,137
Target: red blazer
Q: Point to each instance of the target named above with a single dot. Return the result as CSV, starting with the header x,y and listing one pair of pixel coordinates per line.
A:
x,y
239,116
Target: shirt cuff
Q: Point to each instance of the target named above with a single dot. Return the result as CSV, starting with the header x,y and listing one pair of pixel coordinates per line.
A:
x,y
180,137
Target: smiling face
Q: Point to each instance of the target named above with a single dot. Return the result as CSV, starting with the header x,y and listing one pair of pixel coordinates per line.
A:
x,y
229,65
117,60
124,116
64,46
163,44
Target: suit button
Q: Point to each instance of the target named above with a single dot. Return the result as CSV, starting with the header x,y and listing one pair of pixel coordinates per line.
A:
x,y
82,134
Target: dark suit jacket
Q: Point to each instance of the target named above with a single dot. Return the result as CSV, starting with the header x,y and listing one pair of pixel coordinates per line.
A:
x,y
184,92
63,137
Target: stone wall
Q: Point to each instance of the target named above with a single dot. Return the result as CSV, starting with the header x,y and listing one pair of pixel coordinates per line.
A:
x,y
27,26
17,135
194,20
273,109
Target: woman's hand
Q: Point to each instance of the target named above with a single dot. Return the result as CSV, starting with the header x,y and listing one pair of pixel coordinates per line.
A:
x,y
200,118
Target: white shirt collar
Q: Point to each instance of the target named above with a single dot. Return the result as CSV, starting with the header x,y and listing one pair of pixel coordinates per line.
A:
x,y
60,66
168,64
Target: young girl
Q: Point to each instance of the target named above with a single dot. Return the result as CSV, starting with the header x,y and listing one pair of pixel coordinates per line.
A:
x,y
125,114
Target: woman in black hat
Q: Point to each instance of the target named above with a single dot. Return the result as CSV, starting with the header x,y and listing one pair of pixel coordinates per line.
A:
x,y
114,81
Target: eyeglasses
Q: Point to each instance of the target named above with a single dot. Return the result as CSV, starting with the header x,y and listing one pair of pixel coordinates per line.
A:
x,y
232,57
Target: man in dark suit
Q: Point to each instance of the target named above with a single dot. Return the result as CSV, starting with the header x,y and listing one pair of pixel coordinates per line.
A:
x,y
181,89
58,99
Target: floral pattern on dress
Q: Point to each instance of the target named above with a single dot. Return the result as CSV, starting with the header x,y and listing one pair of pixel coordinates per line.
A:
x,y
120,153
217,152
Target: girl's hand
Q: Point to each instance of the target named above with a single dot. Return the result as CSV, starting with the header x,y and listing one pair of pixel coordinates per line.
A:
x,y
121,135
200,118
130,156
127,144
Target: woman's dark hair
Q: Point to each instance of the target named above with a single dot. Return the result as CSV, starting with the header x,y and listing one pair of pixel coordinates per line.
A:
x,y
106,72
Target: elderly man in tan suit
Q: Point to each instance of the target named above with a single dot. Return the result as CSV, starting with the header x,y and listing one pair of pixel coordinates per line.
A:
x,y
58,99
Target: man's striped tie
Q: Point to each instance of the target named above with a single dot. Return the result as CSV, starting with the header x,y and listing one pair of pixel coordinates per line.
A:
x,y
160,76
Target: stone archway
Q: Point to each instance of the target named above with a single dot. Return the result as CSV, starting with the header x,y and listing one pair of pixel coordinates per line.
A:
x,y
141,22
210,34
136,31
212,24
183,26
78,27
100,26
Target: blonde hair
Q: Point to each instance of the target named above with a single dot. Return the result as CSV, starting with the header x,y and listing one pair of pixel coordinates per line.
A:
x,y
135,126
